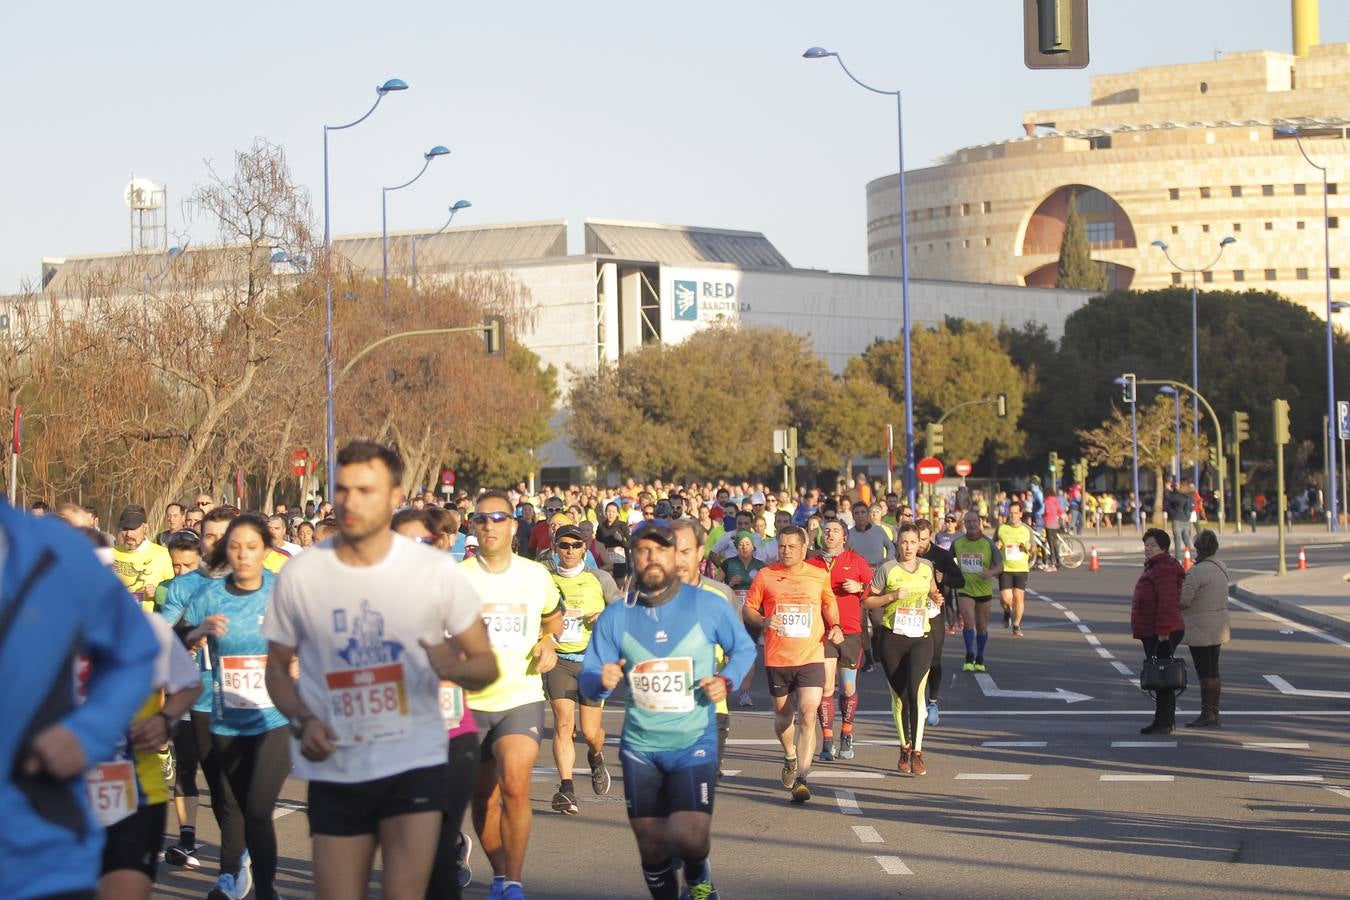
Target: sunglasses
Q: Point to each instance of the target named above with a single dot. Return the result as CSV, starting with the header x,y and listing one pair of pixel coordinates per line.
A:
x,y
425,540
570,545
495,518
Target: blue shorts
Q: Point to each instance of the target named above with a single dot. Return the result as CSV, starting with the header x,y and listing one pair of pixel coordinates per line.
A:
x,y
658,783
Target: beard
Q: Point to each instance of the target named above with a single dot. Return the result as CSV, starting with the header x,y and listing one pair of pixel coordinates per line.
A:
x,y
655,579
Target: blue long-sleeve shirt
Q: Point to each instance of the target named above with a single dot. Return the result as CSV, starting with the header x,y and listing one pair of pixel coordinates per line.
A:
x,y
58,602
655,642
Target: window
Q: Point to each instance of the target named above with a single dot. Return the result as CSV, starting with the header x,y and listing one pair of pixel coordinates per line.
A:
x,y
1236,190
1239,275
1333,221
1335,271
1175,230
1174,193
1204,229
987,206
1301,274
965,245
1204,193
987,242
1300,190
1101,232
1204,87
1176,278
930,248
1207,277
1270,274
1300,225
965,209
1237,226
1267,190
1270,226
1331,187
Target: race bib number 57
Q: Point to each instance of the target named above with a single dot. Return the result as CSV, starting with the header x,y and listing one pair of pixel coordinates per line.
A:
x,y
111,787
368,704
663,685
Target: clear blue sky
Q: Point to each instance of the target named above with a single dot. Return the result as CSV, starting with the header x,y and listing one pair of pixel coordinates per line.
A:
x,y
693,113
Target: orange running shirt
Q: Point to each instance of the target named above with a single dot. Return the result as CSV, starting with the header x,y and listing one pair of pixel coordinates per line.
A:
x,y
806,605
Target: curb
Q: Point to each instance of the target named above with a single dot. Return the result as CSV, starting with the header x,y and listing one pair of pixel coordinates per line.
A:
x,y
1290,610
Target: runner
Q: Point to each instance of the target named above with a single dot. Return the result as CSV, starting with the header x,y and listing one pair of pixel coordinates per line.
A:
x,y
523,612
949,577
585,592
366,711
981,563
139,562
669,730
1014,543
794,605
906,591
850,576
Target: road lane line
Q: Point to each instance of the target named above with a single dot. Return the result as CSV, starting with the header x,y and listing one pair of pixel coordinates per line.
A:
x,y
730,773
1038,744
827,774
1290,623
1083,628
1072,616
848,803
1341,791
1138,778
1275,745
1302,779
1104,653
1093,639
1135,745
991,776
867,834
1055,603
893,865
1123,669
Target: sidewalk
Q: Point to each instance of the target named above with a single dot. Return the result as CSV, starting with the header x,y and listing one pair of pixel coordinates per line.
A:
x,y
1319,596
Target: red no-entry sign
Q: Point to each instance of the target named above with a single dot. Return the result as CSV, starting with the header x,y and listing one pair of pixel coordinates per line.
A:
x,y
962,467
300,463
929,469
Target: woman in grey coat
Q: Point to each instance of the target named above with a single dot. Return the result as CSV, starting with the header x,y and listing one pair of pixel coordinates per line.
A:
x,y
1204,607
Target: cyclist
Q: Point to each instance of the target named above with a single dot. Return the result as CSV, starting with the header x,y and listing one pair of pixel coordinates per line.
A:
x,y
1015,544
980,563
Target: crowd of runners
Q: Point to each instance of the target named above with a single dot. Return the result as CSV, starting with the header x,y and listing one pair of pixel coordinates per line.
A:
x,y
406,656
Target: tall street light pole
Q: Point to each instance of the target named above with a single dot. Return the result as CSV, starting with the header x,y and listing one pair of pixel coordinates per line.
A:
x,y
454,208
1172,392
1195,336
427,157
1333,523
910,480
1336,432
1128,382
330,417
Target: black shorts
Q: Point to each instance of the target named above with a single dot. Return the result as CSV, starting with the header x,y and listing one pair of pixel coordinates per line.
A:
x,y
1010,580
560,683
976,599
783,680
134,842
849,653
656,784
527,720
348,810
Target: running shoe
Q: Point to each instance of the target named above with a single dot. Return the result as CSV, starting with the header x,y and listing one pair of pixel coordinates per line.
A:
x,y
800,792
846,745
951,631
168,764
243,881
827,750
565,802
1017,631
979,664
746,699
182,856
1007,617
968,665
224,888
789,772
916,766
904,766
498,887
933,717
600,780
704,890
465,850
513,892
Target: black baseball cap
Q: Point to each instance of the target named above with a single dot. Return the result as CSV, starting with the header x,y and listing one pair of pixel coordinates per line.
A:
x,y
132,517
568,531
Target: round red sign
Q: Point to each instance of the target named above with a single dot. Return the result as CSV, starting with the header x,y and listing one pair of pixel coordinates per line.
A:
x,y
929,469
447,476
300,463
962,467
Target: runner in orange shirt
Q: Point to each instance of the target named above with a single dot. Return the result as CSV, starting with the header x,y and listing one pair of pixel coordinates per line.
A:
x,y
794,604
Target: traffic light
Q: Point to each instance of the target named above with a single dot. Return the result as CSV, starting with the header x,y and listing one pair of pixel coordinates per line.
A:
x,y
494,335
1055,34
1127,387
1214,458
933,439
1054,462
1241,431
1281,421
1080,472
1002,401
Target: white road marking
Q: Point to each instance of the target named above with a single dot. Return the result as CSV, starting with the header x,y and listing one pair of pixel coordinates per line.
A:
x,y
1014,744
1093,639
1055,603
1341,791
1135,745
286,807
1072,616
1034,713
730,773
831,775
1083,628
755,742
1289,623
893,865
1285,687
1286,778
990,689
867,834
1138,778
991,776
848,803
1123,669
1275,745
1103,652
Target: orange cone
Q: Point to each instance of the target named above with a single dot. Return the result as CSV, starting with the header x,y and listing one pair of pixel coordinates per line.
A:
x,y
1186,561
1093,565
1302,560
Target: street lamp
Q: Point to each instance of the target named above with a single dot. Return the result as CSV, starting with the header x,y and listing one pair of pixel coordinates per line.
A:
x,y
454,208
1336,430
1128,382
1195,336
822,53
330,417
427,157
1333,523
1172,392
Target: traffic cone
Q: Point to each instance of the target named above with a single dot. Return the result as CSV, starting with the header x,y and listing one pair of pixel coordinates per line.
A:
x,y
1186,561
1302,560
1093,565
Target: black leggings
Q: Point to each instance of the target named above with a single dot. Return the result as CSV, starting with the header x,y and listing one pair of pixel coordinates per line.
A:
x,y
906,661
444,884
224,806
186,760
255,766
1206,661
938,636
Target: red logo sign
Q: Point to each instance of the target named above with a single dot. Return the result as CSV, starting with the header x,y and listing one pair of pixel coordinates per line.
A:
x,y
962,467
447,476
929,469
300,463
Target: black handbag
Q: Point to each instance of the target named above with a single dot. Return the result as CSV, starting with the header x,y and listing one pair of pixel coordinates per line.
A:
x,y
1167,674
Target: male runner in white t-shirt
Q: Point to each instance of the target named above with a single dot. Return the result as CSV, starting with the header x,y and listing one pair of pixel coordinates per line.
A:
x,y
368,613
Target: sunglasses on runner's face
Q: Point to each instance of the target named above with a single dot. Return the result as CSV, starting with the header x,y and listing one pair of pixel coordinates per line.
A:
x,y
494,517
425,540
570,545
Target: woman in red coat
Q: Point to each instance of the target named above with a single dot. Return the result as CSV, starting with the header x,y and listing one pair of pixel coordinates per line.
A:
x,y
1155,617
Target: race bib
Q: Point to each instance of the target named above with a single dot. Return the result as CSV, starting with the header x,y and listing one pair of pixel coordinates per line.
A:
x,y
972,563
663,685
1013,553
452,704
369,704
505,624
740,598
794,620
574,627
111,788
242,682
908,622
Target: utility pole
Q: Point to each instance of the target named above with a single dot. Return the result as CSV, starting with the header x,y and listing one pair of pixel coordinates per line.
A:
x,y
1281,410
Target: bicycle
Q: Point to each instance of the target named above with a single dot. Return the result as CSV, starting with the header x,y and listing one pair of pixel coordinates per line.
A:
x,y
1071,551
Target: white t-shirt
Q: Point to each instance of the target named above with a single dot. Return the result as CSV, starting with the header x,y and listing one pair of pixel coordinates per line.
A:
x,y
362,669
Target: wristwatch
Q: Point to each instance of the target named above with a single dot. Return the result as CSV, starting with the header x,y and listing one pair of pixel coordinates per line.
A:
x,y
298,724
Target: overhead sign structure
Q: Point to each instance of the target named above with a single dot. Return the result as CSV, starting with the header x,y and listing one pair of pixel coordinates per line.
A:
x,y
929,469
962,467
300,463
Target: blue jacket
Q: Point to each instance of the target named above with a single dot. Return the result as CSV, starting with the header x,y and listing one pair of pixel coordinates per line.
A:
x,y
57,602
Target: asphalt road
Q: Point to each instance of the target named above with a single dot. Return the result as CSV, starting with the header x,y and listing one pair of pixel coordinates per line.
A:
x,y
1024,796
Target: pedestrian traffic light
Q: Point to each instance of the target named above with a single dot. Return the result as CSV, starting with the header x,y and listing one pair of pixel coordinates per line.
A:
x,y
1241,431
1002,401
1054,462
933,439
1281,421
1055,34
1127,387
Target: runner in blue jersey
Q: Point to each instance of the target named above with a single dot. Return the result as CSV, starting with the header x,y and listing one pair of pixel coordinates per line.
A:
x,y
662,640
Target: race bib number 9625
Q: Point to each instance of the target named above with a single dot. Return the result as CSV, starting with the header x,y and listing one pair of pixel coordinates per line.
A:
x,y
663,685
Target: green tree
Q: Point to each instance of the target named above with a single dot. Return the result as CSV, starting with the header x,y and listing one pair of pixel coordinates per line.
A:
x,y
854,411
1076,268
1111,444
